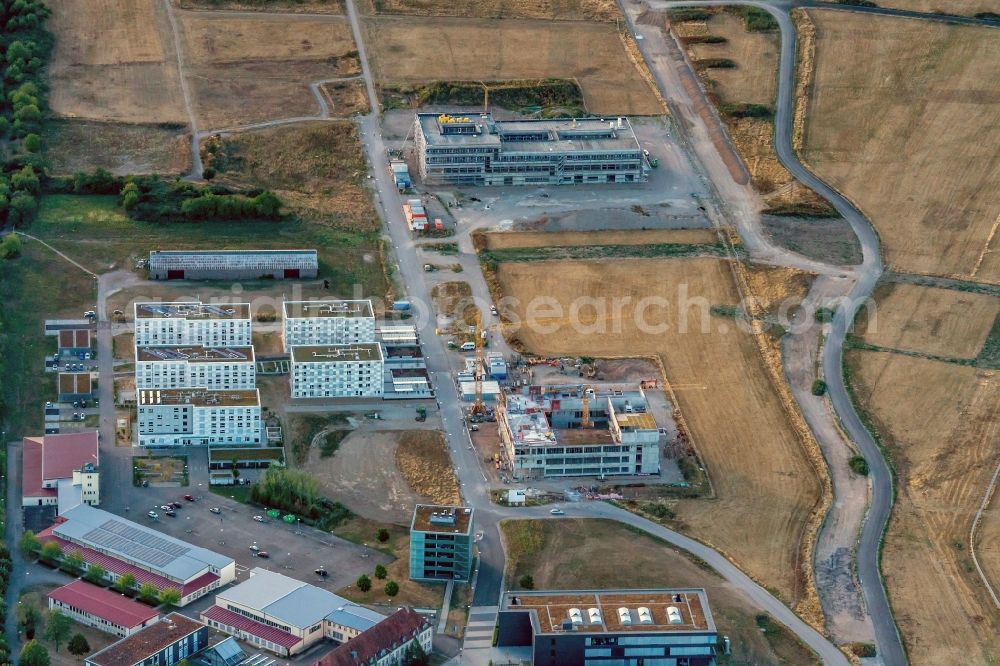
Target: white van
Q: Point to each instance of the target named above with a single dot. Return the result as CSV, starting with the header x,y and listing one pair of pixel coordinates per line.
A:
x,y
468,346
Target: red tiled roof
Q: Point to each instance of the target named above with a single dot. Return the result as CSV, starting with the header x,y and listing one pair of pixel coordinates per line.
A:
x,y
147,642
61,454
104,604
31,469
116,566
74,338
266,632
397,629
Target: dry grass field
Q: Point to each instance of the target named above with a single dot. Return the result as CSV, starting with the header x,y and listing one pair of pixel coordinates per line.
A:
x,y
766,486
422,459
345,98
411,50
114,60
317,168
961,7
904,118
84,145
558,10
252,68
940,422
574,554
526,239
310,6
942,322
754,80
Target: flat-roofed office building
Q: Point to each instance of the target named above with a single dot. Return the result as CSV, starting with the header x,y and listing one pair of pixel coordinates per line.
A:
x,y
479,150
337,371
199,417
192,323
330,322
195,366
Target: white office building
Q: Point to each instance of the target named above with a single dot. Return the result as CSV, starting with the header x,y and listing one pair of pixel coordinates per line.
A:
x,y
328,323
337,371
199,417
171,367
194,323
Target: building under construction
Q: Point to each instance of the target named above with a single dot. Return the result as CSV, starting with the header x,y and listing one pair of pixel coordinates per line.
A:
x,y
478,150
555,431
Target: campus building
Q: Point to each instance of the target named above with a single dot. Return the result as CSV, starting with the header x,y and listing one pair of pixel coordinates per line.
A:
x,y
337,371
199,417
610,627
194,323
165,643
98,607
479,150
60,470
233,264
286,616
544,434
171,367
328,323
385,644
122,547
441,539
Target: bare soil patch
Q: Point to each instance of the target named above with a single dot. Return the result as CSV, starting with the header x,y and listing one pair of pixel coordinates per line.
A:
x,y
826,239
319,169
527,239
345,98
81,145
560,10
448,295
410,50
940,422
361,477
114,60
904,118
247,69
943,322
766,486
574,554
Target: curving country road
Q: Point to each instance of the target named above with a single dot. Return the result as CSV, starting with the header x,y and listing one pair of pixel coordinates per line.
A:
x,y
887,638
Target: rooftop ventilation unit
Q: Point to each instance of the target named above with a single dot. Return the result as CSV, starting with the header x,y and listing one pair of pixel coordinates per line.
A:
x,y
645,617
625,615
575,616
674,615
595,615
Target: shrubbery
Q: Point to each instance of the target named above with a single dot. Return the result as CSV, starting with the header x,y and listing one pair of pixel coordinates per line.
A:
x,y
297,492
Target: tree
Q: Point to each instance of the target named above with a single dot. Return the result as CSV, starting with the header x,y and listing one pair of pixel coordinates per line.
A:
x,y
28,618
125,582
51,552
170,596
32,143
414,655
149,593
10,247
364,583
391,588
34,654
58,627
267,204
74,562
818,387
208,173
130,195
22,208
78,645
26,180
527,582
383,535
29,543
380,572
95,573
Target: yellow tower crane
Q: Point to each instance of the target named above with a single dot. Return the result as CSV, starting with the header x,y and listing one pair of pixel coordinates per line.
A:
x,y
478,407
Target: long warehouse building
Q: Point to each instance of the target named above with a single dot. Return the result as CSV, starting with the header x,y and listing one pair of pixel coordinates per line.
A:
x,y
479,150
233,264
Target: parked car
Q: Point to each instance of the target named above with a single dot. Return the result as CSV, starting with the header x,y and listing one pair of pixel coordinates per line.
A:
x,y
263,553
189,498
166,507
176,505
259,519
557,512
215,509
493,309
171,513
153,515
254,548
321,572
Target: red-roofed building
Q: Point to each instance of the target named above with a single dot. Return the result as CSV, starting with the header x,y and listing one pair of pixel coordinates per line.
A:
x,y
102,609
69,459
384,644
